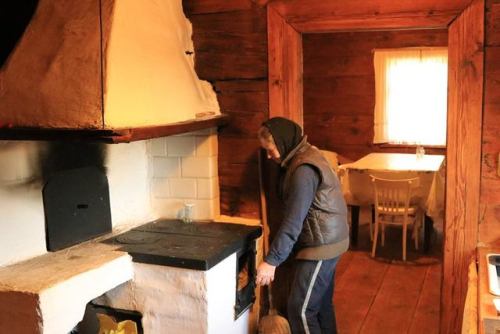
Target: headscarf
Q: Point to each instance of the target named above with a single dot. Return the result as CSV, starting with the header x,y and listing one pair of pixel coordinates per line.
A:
x,y
286,134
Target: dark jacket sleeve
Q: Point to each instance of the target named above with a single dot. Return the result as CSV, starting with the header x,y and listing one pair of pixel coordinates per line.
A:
x,y
302,190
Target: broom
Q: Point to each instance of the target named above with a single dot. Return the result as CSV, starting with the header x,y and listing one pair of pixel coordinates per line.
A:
x,y
272,323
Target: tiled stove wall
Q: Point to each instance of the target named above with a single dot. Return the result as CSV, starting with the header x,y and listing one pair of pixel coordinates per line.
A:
x,y
184,170
147,180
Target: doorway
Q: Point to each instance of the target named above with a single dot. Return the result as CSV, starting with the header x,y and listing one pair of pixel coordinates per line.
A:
x,y
464,22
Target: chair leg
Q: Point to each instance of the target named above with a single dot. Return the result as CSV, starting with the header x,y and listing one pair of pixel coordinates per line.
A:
x,y
372,222
375,237
404,241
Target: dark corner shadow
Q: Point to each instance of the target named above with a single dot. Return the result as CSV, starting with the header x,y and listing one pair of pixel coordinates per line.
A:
x,y
61,156
15,15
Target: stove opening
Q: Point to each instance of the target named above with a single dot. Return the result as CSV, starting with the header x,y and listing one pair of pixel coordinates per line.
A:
x,y
245,280
103,319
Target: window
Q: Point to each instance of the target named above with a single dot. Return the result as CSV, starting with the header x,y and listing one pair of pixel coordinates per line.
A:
x,y
411,96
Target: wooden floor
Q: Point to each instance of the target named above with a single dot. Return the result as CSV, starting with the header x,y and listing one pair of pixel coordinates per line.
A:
x,y
384,294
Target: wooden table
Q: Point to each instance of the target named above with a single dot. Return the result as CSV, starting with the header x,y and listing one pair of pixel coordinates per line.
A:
x,y
357,188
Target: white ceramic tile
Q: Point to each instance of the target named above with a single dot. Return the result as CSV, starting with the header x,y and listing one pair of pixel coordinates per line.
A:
x,y
206,146
206,208
181,146
199,167
158,147
166,167
208,188
160,188
183,188
168,208
174,208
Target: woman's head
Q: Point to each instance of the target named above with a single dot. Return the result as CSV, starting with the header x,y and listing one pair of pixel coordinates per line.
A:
x,y
267,142
278,136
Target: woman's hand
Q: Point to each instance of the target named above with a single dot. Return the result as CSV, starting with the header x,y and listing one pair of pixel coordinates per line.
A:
x,y
265,274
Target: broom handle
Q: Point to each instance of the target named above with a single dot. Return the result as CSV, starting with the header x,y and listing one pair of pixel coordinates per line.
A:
x,y
263,205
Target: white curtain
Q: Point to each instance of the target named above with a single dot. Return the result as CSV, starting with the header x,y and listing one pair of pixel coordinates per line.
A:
x,y
411,96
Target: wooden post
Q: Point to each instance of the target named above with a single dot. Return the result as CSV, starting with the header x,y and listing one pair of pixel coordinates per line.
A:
x,y
285,68
465,101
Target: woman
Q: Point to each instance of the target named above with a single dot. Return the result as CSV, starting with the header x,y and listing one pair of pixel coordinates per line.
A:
x,y
314,226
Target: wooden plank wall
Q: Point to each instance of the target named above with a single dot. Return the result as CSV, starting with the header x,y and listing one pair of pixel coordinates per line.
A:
x,y
489,233
230,42
339,86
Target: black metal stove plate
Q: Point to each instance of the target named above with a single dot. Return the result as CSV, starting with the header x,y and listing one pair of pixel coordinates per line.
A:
x,y
195,246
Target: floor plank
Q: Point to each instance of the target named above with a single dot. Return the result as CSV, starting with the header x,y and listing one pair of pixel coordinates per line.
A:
x,y
355,291
396,301
426,317
344,262
385,295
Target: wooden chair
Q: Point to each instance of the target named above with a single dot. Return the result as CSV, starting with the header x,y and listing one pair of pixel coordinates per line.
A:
x,y
392,207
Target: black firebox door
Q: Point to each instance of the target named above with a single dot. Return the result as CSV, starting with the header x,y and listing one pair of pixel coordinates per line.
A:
x,y
76,204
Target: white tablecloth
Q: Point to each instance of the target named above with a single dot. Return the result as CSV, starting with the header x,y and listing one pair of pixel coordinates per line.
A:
x,y
429,192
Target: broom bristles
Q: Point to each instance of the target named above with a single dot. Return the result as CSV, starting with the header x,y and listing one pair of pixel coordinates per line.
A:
x,y
274,324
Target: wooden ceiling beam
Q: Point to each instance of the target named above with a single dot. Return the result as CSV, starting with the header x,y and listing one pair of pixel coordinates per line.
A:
x,y
415,20
296,9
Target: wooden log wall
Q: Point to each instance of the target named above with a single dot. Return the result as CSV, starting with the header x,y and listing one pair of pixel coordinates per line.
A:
x,y
489,233
230,39
339,86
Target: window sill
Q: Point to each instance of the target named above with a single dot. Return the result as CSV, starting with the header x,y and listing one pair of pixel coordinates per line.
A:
x,y
387,145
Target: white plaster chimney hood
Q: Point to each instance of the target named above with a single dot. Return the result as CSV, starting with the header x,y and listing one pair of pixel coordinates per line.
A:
x,y
103,69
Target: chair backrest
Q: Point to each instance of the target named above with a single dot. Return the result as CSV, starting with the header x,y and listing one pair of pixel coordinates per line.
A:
x,y
392,197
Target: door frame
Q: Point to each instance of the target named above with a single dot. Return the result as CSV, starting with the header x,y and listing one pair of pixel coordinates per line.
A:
x,y
288,20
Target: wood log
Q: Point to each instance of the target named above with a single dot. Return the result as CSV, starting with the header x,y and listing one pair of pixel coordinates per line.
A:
x,y
238,150
342,129
243,21
239,174
214,6
230,56
248,86
492,36
256,102
244,124
338,87
492,83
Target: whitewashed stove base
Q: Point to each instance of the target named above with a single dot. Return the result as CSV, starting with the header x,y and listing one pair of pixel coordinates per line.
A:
x,y
177,300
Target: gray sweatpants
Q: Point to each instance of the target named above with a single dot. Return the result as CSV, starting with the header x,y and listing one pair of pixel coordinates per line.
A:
x,y
310,305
